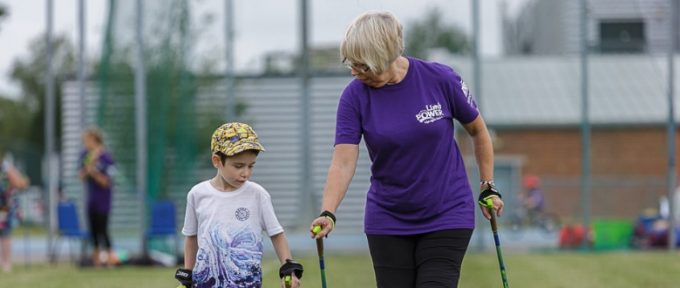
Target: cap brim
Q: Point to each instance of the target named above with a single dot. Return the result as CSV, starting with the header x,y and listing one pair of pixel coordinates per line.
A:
x,y
244,146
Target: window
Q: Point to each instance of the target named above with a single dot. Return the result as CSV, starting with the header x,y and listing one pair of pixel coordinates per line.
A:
x,y
622,36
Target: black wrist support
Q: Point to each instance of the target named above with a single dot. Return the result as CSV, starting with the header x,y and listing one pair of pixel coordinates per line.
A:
x,y
291,267
491,191
328,214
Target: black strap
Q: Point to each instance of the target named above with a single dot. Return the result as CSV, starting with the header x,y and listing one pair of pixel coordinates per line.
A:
x,y
327,213
291,267
184,277
491,191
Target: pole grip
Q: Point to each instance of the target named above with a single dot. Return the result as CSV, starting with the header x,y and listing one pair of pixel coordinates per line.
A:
x,y
489,206
319,247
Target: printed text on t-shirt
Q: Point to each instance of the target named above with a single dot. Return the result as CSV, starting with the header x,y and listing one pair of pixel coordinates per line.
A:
x,y
430,114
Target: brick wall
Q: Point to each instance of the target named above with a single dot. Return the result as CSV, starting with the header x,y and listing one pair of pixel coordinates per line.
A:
x,y
628,166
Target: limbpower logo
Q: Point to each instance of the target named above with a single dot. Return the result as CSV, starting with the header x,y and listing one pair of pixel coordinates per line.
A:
x,y
430,114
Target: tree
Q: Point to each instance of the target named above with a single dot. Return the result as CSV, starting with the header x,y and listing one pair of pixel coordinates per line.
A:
x,y
3,11
14,117
30,73
431,32
177,127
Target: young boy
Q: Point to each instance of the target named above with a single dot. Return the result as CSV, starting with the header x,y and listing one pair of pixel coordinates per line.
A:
x,y
225,217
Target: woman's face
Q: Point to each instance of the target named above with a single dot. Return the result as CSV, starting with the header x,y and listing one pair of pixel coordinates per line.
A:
x,y
364,74
89,142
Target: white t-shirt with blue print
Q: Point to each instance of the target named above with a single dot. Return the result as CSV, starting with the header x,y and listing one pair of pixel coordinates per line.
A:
x,y
229,227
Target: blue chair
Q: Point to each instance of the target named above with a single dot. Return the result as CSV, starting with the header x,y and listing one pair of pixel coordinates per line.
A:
x,y
163,222
69,227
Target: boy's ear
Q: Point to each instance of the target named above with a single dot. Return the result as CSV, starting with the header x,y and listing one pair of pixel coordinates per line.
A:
x,y
216,161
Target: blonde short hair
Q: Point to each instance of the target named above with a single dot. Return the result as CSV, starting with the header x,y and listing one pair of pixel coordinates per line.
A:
x,y
375,39
95,133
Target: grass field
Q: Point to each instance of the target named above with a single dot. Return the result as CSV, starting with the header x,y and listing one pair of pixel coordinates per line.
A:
x,y
619,269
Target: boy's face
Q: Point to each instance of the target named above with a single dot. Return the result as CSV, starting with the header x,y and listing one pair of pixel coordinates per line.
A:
x,y
236,170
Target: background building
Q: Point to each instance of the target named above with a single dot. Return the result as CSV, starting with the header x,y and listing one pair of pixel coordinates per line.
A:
x,y
550,27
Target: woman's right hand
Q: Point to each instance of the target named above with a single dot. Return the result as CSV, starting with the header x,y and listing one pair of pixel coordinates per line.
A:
x,y
326,225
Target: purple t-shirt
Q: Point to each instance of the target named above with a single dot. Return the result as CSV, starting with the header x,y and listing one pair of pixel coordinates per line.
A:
x,y
418,181
98,197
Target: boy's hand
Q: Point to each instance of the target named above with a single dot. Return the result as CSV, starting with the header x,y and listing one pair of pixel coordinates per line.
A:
x,y
290,281
184,277
293,270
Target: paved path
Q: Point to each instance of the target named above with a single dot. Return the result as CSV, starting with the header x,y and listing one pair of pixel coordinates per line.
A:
x,y
33,249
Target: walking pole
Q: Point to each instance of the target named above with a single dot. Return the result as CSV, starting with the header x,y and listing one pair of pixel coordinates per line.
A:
x,y
319,250
494,228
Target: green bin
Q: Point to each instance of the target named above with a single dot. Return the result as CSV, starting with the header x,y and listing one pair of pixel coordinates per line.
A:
x,y
612,234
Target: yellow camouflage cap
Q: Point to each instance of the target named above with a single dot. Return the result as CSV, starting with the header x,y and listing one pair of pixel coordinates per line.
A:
x,y
233,138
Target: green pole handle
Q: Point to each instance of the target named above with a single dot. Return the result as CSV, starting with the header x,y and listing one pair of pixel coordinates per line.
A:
x,y
288,281
489,203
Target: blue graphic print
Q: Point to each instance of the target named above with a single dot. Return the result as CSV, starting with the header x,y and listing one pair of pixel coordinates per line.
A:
x,y
229,259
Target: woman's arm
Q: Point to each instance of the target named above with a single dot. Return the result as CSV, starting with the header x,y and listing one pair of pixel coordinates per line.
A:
x,y
99,177
16,180
483,149
340,173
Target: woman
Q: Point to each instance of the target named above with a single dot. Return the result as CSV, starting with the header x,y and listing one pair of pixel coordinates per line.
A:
x,y
420,202
95,172
10,181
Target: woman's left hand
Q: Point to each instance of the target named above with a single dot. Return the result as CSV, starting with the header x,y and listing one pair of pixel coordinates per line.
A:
x,y
90,169
497,207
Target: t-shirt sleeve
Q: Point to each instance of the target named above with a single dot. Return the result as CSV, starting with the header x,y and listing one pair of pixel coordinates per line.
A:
x,y
464,107
104,162
270,223
348,119
108,165
190,220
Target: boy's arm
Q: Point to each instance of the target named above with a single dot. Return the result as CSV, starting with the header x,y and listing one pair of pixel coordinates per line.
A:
x,y
280,243
190,250
288,266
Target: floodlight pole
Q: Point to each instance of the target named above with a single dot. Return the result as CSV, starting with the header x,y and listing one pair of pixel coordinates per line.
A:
x,y
140,123
307,193
671,176
81,63
585,125
230,114
477,72
50,157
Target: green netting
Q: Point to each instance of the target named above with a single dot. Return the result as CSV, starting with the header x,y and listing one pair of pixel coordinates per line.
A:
x,y
171,88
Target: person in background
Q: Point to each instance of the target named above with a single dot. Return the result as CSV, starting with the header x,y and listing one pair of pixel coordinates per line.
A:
x,y
420,208
533,200
95,171
11,180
